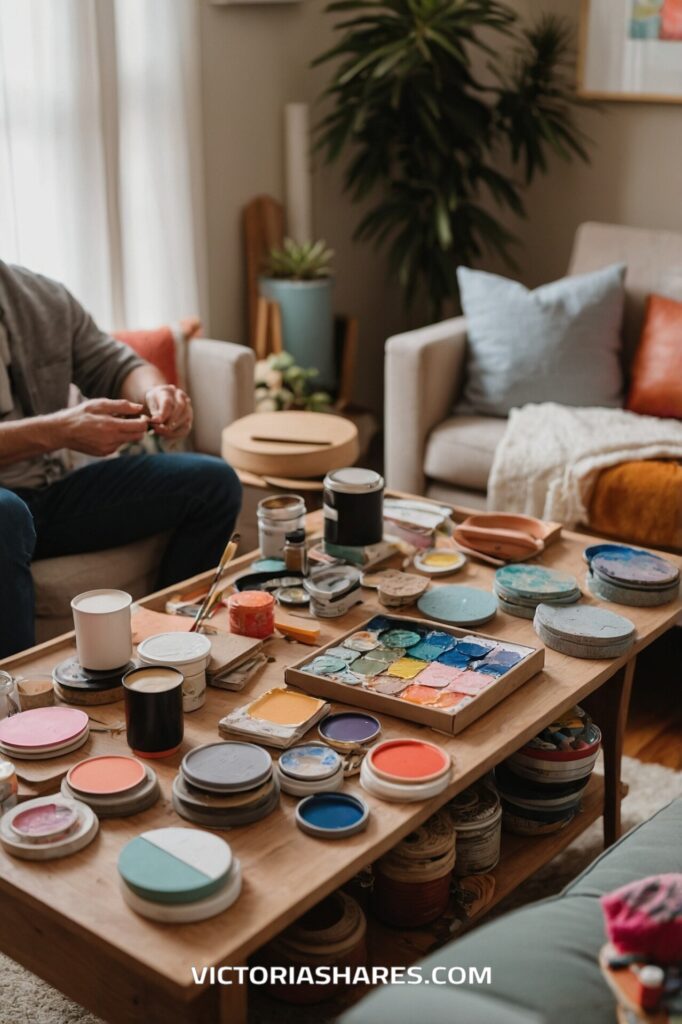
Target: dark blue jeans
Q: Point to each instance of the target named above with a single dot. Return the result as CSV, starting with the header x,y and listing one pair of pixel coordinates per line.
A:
x,y
107,504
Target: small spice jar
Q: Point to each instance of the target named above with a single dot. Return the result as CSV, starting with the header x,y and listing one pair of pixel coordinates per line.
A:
x,y
9,786
277,516
295,552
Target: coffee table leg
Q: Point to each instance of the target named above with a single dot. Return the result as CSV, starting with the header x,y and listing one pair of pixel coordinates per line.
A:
x,y
609,708
232,1003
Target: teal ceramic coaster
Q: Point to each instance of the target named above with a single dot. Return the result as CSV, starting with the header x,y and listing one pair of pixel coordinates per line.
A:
x,y
534,582
175,865
458,605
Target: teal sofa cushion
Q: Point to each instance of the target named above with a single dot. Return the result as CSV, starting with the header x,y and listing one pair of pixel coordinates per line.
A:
x,y
559,343
543,958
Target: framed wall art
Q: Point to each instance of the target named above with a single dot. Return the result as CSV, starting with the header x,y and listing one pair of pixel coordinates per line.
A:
x,y
631,50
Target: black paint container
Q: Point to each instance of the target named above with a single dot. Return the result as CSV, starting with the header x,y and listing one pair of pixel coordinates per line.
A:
x,y
353,507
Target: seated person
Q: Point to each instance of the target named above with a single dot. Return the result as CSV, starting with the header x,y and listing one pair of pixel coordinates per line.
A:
x,y
47,341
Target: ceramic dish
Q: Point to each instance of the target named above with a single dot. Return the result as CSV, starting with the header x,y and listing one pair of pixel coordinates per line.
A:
x,y
141,799
332,815
439,561
45,822
227,767
310,762
45,755
83,833
409,762
348,730
185,913
43,728
396,792
175,865
458,605
226,819
108,775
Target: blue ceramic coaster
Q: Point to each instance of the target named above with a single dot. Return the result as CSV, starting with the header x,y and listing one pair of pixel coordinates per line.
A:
x,y
458,605
332,815
534,581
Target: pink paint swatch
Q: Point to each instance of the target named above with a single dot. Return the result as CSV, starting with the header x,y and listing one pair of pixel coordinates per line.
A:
x,y
471,682
438,675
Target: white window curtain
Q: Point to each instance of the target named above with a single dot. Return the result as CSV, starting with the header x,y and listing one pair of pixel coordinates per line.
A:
x,y
101,175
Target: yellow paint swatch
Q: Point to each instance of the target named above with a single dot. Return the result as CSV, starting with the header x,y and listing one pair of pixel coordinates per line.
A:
x,y
442,559
284,707
406,668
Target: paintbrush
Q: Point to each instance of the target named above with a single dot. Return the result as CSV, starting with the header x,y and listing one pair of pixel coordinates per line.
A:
x,y
226,557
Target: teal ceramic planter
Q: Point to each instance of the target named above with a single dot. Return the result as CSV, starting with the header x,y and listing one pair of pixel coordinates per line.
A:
x,y
307,323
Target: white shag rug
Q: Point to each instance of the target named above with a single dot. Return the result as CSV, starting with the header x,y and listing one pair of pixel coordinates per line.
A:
x,y
25,999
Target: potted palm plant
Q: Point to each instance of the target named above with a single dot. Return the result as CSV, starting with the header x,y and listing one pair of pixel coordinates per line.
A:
x,y
445,109
298,278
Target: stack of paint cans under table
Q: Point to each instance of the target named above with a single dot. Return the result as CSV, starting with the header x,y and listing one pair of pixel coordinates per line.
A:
x,y
226,784
179,875
542,784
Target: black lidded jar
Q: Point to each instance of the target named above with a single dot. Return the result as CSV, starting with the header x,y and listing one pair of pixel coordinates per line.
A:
x,y
353,507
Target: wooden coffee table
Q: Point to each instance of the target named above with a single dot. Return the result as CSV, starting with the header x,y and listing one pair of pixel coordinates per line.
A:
x,y
67,921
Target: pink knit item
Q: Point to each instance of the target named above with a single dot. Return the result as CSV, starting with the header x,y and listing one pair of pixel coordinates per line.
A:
x,y
645,917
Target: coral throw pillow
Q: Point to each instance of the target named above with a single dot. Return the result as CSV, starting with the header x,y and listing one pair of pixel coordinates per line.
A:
x,y
656,386
159,346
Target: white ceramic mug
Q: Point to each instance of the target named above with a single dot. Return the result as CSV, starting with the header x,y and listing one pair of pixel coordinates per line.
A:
x,y
104,637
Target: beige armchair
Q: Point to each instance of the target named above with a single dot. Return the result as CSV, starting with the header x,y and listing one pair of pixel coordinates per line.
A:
x,y
220,378
431,450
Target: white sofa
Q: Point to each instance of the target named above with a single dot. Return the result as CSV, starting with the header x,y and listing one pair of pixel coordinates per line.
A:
x,y
220,378
430,450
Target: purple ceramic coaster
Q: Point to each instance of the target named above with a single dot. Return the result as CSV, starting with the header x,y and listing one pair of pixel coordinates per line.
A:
x,y
349,727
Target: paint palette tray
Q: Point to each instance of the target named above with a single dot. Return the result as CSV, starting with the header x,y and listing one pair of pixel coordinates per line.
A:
x,y
280,718
418,670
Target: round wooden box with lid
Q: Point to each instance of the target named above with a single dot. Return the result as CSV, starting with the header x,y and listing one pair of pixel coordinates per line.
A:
x,y
297,445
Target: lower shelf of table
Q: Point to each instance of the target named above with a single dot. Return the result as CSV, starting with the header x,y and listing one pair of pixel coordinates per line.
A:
x,y
521,857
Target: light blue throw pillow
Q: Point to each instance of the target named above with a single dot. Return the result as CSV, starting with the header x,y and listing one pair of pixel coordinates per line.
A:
x,y
559,343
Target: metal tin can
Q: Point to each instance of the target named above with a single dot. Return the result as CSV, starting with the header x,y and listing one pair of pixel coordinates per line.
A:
x,y
277,516
353,507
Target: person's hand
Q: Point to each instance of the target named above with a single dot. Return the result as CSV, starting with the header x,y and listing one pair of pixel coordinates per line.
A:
x,y
99,426
170,411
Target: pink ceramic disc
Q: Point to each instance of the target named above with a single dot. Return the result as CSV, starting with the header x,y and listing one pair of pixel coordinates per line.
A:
x,y
43,727
45,822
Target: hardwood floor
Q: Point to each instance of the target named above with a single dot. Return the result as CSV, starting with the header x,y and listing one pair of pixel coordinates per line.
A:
x,y
654,730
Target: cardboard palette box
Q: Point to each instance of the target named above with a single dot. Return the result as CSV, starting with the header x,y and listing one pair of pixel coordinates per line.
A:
x,y
447,721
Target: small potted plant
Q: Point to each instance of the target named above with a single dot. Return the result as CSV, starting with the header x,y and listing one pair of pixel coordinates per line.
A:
x,y
281,384
298,278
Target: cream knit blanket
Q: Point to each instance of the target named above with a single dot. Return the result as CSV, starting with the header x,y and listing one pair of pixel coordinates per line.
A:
x,y
547,462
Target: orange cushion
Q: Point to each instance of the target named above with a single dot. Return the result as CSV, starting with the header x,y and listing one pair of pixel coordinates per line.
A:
x,y
156,347
656,386
640,502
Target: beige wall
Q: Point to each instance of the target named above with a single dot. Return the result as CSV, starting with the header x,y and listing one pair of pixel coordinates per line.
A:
x,y
255,59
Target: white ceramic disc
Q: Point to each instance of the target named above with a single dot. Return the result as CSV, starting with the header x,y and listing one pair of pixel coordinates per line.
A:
x,y
395,792
185,913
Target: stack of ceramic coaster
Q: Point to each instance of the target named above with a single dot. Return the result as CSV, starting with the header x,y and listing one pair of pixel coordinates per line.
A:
x,y
43,733
332,815
178,875
224,785
521,588
310,768
77,685
113,785
583,631
631,576
405,770
47,828
541,785
458,605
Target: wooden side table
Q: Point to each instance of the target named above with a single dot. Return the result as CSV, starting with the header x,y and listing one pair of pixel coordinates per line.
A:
x,y
289,449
